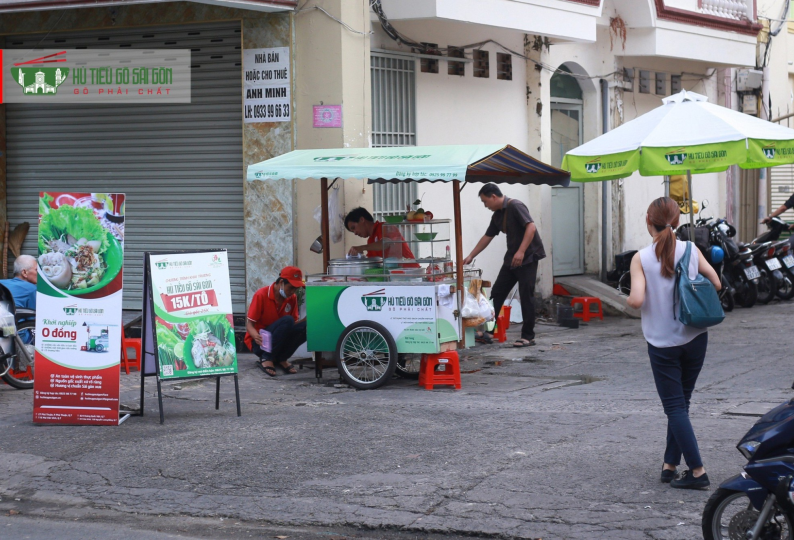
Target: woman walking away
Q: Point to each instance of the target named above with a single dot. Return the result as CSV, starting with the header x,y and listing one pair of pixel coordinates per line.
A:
x,y
676,351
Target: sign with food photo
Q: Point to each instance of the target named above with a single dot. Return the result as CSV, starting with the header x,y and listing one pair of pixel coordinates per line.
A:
x,y
192,301
78,308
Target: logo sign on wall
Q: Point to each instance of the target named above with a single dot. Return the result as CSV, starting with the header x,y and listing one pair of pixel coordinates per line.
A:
x,y
188,328
95,76
78,308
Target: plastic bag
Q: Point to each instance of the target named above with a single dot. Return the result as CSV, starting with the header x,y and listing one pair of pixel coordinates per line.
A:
x,y
7,325
486,309
336,216
471,308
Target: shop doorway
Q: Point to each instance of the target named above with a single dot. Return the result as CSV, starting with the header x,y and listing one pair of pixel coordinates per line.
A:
x,y
567,203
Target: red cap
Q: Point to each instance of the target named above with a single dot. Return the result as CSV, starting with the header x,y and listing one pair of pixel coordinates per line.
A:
x,y
293,275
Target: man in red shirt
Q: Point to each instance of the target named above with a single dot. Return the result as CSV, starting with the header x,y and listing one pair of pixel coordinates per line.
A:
x,y
361,223
275,310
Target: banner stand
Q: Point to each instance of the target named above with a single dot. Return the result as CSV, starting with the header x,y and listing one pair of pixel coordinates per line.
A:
x,y
150,363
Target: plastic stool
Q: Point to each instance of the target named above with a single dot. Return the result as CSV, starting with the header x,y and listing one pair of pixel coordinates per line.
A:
x,y
440,369
586,314
126,361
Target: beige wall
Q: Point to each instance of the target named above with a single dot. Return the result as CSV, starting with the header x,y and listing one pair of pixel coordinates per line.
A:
x,y
332,69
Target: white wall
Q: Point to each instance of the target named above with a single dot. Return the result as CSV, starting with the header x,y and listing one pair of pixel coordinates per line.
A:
x,y
465,110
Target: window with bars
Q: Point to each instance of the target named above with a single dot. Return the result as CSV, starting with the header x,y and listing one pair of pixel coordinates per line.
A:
x,y
455,68
482,66
504,67
393,124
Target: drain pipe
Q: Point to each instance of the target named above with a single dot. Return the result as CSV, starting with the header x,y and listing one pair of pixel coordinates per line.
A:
x,y
605,184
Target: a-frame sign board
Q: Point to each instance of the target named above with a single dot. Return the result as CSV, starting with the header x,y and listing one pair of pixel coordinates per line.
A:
x,y
187,330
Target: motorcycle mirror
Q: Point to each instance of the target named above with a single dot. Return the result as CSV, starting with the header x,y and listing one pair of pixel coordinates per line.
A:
x,y
704,204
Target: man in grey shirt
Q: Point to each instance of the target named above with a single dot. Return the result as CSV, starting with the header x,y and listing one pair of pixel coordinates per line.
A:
x,y
524,250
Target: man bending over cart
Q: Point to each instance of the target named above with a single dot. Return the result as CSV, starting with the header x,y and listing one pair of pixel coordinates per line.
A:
x,y
274,331
361,223
524,250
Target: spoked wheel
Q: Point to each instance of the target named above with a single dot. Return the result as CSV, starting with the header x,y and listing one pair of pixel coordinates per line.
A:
x,y
728,515
366,355
19,373
726,296
624,284
767,287
785,290
408,366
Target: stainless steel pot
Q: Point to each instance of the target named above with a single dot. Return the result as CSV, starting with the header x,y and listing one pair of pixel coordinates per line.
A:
x,y
353,267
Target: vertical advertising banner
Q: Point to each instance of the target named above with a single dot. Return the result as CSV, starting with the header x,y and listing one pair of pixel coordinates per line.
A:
x,y
194,327
78,308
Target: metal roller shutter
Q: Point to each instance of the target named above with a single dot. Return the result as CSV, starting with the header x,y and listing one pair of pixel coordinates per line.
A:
x,y
782,182
181,166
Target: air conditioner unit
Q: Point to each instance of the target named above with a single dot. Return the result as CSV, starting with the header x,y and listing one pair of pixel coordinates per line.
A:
x,y
748,79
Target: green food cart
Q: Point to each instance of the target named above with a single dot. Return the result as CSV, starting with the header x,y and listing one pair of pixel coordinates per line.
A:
x,y
380,320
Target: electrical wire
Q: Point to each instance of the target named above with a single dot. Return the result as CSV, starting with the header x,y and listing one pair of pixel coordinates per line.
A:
x,y
344,24
424,48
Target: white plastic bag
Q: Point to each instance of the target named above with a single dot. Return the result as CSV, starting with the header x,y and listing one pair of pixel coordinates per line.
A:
x,y
471,308
486,309
336,216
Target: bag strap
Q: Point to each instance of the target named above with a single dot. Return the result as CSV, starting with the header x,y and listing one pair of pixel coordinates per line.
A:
x,y
682,266
504,216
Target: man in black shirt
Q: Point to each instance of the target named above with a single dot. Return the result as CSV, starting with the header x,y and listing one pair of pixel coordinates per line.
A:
x,y
524,250
785,206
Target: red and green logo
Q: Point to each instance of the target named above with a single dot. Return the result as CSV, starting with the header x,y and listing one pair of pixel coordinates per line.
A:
x,y
41,81
374,301
593,166
676,157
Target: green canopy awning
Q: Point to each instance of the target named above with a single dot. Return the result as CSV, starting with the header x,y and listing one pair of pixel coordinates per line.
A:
x,y
474,163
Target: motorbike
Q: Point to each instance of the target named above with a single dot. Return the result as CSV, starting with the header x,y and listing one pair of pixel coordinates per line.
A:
x,y
757,504
784,266
741,274
17,339
768,268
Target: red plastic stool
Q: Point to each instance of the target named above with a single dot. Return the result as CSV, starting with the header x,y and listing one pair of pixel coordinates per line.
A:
x,y
586,314
440,369
126,361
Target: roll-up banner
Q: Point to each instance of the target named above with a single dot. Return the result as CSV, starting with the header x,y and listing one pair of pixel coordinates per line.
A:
x,y
78,308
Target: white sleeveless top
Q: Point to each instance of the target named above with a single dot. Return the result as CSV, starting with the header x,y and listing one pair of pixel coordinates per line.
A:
x,y
660,327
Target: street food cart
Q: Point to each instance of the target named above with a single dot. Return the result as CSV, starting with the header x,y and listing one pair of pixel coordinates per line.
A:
x,y
374,315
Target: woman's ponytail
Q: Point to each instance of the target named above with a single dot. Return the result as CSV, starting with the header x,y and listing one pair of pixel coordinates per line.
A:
x,y
663,214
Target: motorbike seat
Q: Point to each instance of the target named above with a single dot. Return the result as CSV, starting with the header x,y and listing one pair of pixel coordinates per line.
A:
x,y
24,313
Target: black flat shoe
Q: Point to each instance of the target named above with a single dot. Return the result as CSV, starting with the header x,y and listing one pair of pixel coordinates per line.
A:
x,y
667,476
688,481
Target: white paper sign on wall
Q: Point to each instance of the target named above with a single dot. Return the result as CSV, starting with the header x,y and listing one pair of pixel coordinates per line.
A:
x,y
266,78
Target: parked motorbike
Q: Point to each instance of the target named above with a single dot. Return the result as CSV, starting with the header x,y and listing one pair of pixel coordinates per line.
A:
x,y
782,253
757,504
769,270
17,338
741,275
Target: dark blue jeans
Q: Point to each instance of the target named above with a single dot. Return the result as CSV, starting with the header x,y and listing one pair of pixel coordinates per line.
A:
x,y
675,371
287,336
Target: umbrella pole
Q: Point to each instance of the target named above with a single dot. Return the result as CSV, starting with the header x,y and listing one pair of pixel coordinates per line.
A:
x,y
458,252
691,206
324,223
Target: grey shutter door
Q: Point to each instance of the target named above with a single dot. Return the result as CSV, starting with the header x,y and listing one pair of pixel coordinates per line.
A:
x,y
782,185
181,166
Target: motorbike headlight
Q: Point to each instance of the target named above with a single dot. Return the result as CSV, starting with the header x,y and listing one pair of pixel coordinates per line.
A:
x,y
748,449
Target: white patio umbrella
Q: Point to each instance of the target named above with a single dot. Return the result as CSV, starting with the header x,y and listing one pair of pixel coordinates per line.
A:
x,y
686,135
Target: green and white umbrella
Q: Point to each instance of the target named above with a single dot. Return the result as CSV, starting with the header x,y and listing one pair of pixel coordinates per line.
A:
x,y
686,135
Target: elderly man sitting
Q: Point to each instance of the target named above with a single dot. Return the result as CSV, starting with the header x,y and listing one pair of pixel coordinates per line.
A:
x,y
23,285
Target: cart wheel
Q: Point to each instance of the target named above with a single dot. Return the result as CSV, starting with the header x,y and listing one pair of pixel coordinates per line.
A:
x,y
366,355
408,365
99,348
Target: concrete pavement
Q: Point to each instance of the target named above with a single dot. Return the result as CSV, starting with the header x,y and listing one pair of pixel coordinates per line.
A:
x,y
562,440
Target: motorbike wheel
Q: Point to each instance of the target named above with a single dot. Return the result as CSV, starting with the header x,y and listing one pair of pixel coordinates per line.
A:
x,y
767,287
727,301
785,289
624,284
408,366
729,514
746,294
22,379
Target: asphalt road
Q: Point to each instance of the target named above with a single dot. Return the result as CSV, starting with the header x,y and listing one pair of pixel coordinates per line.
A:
x,y
563,440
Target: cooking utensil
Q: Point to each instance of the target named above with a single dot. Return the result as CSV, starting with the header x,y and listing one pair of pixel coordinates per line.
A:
x,y
425,236
317,245
353,267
